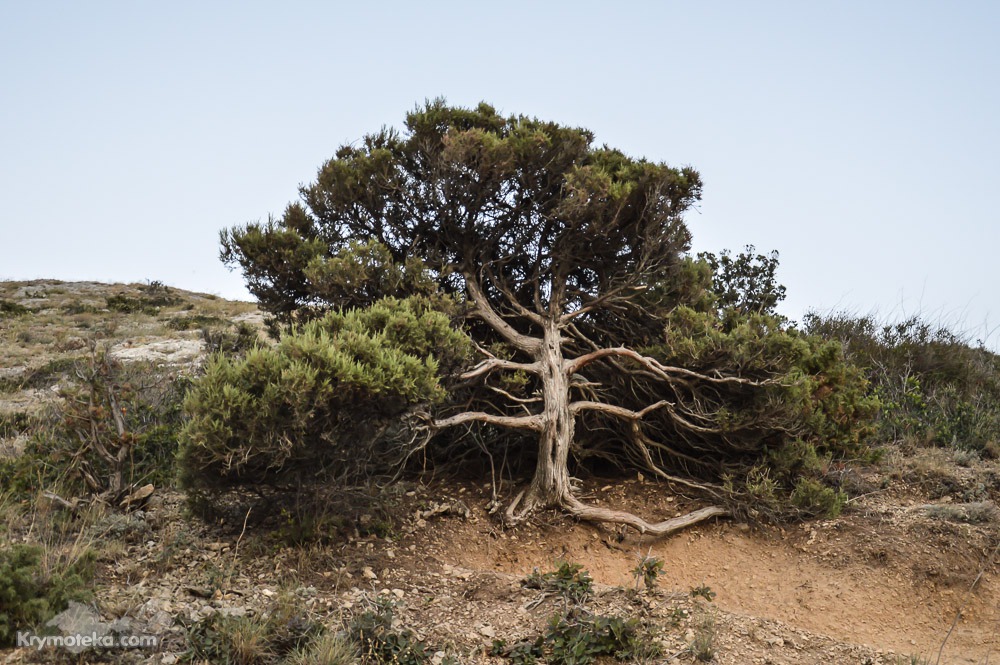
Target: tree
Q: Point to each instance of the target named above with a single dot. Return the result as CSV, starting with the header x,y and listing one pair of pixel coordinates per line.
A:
x,y
571,261
747,283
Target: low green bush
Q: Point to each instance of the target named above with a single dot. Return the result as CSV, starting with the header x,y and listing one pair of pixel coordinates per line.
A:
x,y
569,580
325,403
935,386
381,642
9,308
195,321
32,593
575,636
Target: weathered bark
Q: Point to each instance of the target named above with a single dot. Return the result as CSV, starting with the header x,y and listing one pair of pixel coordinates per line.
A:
x,y
550,485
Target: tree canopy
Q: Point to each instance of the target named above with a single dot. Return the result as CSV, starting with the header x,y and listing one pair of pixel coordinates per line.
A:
x,y
567,265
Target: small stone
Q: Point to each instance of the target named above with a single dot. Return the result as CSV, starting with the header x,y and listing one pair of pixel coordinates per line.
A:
x,y
398,593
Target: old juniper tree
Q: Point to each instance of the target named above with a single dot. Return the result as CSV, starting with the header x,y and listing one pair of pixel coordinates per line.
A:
x,y
570,264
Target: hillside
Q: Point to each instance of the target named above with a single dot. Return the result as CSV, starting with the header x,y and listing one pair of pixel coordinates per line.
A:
x,y
908,567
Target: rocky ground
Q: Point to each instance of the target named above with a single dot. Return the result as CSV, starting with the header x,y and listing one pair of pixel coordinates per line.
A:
x,y
906,575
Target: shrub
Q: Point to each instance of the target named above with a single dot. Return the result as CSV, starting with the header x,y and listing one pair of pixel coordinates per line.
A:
x,y
323,403
576,637
9,308
815,498
195,321
579,640
569,580
149,303
934,385
381,642
118,428
231,341
648,570
30,593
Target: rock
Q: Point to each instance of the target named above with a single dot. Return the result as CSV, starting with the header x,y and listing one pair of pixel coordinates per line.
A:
x,y
398,593
138,496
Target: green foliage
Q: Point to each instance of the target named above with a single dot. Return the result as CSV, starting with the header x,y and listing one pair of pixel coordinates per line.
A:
x,y
234,341
196,321
13,423
9,308
747,283
379,642
703,591
42,377
579,640
576,637
322,400
569,580
149,303
934,385
648,570
32,593
800,410
815,498
519,653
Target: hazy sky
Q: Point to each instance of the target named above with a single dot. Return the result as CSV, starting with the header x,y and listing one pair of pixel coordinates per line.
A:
x,y
860,139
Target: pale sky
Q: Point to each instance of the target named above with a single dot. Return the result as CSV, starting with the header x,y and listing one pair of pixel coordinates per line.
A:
x,y
859,139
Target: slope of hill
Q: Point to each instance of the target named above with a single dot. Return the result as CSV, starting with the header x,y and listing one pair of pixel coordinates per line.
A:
x,y
906,572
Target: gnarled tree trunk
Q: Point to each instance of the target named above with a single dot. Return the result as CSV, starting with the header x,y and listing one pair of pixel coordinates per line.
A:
x,y
550,485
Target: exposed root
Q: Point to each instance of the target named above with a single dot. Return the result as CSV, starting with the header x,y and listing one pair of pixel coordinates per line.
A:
x,y
583,511
511,516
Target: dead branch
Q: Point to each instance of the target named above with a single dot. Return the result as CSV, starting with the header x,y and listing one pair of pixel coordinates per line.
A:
x,y
663,371
490,364
533,423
